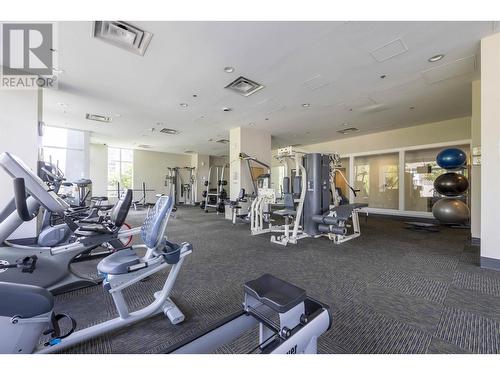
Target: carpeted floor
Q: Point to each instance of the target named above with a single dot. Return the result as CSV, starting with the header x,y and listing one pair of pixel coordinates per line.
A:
x,y
391,291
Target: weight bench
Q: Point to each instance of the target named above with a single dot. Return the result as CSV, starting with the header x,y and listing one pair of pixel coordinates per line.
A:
x,y
334,223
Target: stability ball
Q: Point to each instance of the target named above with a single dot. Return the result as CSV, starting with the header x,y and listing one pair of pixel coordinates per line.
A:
x,y
451,158
451,211
451,184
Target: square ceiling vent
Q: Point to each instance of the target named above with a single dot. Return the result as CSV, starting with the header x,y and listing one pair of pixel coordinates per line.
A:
x,y
389,50
123,35
244,86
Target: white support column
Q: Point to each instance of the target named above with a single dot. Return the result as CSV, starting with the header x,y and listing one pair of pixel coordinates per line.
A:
x,y
490,152
475,177
352,178
253,142
401,190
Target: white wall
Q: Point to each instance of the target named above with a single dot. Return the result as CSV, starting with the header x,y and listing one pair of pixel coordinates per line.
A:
x,y
202,164
475,178
151,167
490,152
435,132
19,117
98,169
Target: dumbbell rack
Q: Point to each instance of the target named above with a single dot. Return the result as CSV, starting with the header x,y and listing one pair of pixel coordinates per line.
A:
x,y
221,182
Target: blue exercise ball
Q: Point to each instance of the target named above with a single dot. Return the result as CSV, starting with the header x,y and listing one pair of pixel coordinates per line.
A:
x,y
451,158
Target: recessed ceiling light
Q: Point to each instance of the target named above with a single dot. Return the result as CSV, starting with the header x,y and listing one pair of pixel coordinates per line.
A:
x,y
229,69
306,105
435,58
184,105
251,123
226,109
383,76
63,105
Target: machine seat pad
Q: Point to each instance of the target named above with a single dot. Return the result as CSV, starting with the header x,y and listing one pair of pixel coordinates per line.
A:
x,y
24,300
97,228
345,211
285,212
275,293
118,263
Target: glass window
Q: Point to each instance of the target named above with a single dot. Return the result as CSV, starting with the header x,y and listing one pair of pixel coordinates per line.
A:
x,y
421,170
377,178
341,184
66,149
120,170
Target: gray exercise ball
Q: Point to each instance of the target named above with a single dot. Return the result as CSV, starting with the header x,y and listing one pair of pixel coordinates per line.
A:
x,y
451,211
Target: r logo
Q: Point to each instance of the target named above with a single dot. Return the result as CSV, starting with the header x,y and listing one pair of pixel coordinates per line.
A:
x,y
27,48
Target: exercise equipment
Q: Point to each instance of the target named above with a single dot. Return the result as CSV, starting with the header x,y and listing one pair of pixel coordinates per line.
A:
x,y
53,269
336,222
451,211
236,207
142,201
289,321
215,197
185,185
451,158
26,312
307,211
250,160
451,184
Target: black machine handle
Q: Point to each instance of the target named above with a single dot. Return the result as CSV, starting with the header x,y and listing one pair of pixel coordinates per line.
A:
x,y
20,199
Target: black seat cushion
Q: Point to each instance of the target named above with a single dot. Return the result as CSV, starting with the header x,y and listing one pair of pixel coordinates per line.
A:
x,y
120,210
275,293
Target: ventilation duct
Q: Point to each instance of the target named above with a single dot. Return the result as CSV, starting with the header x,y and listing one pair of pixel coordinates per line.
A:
x,y
169,131
100,118
123,35
348,130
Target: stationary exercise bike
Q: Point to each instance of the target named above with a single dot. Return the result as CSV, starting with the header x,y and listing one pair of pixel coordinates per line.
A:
x,y
53,271
26,311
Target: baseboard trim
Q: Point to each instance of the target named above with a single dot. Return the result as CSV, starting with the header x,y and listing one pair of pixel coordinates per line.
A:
x,y
475,241
490,263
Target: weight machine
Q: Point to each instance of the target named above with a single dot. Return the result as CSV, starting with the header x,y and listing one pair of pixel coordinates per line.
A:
x,y
215,197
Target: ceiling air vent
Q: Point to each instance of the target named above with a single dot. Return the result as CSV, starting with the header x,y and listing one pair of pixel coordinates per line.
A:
x,y
144,146
244,86
189,152
100,118
348,130
123,35
223,141
169,131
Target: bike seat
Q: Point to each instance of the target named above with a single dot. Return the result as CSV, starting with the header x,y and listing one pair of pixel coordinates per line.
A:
x,y
121,262
24,300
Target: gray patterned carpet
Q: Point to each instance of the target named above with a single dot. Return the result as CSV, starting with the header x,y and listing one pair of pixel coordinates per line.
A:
x,y
391,291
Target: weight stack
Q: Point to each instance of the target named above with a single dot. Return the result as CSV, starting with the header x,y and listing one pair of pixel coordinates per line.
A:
x,y
317,197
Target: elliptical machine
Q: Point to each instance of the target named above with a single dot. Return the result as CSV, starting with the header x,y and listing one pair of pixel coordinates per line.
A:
x,y
53,271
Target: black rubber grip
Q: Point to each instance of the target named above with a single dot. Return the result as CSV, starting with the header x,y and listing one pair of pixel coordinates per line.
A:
x,y
20,199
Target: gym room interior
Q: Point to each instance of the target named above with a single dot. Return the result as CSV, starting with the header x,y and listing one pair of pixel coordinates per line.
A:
x,y
250,187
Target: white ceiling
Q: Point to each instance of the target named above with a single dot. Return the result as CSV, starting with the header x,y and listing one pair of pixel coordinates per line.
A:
x,y
331,65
